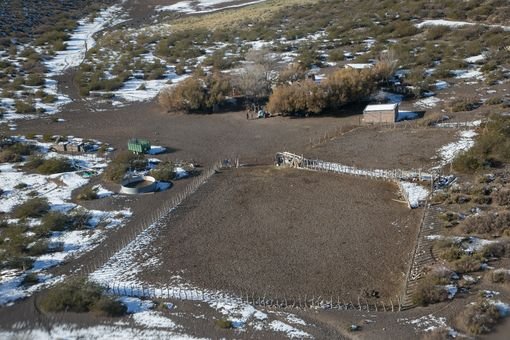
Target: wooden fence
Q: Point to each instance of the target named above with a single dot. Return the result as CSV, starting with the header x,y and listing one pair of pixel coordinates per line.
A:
x,y
290,159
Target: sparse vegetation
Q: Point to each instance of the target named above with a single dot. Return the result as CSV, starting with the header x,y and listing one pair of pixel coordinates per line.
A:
x,y
431,289
196,94
35,207
80,296
87,194
480,317
491,147
121,163
49,166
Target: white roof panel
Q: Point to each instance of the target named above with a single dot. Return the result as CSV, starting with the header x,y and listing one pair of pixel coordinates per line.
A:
x,y
381,107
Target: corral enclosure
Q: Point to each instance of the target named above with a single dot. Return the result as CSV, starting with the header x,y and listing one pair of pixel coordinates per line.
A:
x,y
273,231
381,148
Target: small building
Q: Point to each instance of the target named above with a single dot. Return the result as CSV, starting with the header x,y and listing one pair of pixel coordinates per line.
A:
x,y
381,113
74,147
138,145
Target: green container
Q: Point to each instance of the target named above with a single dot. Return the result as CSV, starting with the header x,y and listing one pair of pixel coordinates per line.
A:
x,y
137,145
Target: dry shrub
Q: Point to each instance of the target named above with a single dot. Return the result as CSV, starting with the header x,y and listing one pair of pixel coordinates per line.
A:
x,y
437,334
463,104
467,263
500,276
497,249
196,94
429,288
300,97
503,197
492,223
480,317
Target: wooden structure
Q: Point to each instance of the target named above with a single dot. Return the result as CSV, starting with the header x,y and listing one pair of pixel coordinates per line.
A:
x,y
381,113
68,147
138,145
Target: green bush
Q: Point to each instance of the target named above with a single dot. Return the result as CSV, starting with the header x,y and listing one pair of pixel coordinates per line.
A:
x,y
225,324
164,172
35,79
80,296
18,262
35,207
39,248
121,163
24,107
30,279
49,166
55,221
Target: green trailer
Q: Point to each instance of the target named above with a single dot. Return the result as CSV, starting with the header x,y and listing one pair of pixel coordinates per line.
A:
x,y
138,145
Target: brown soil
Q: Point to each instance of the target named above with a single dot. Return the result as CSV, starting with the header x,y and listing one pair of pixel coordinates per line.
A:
x,y
204,138
289,232
381,148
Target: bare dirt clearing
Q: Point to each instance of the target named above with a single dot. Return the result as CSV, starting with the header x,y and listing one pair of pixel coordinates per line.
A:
x,y
381,148
204,138
251,230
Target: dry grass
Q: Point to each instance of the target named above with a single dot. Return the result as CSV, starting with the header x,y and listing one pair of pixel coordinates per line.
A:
x,y
262,12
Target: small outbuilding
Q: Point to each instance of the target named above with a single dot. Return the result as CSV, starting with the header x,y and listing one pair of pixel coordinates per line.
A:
x,y
138,145
380,113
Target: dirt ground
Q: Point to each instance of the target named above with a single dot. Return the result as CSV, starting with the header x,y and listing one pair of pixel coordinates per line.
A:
x,y
380,148
253,229
203,138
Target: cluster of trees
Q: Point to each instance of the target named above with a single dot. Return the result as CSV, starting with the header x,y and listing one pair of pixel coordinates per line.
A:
x,y
288,91
342,87
198,93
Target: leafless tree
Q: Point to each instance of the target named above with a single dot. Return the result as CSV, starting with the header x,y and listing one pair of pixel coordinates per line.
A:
x,y
255,80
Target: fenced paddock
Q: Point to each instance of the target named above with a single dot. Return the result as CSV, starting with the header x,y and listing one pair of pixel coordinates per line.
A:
x,y
251,230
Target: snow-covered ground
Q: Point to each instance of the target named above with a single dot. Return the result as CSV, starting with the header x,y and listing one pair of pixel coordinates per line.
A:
x,y
82,39
448,152
456,24
121,271
69,331
57,189
415,193
428,102
426,323
204,6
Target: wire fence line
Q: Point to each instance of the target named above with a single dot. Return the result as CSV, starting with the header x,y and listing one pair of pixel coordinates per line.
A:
x,y
102,255
331,302
297,161
406,124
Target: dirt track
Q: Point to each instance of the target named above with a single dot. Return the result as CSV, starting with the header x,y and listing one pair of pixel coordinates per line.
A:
x,y
254,230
